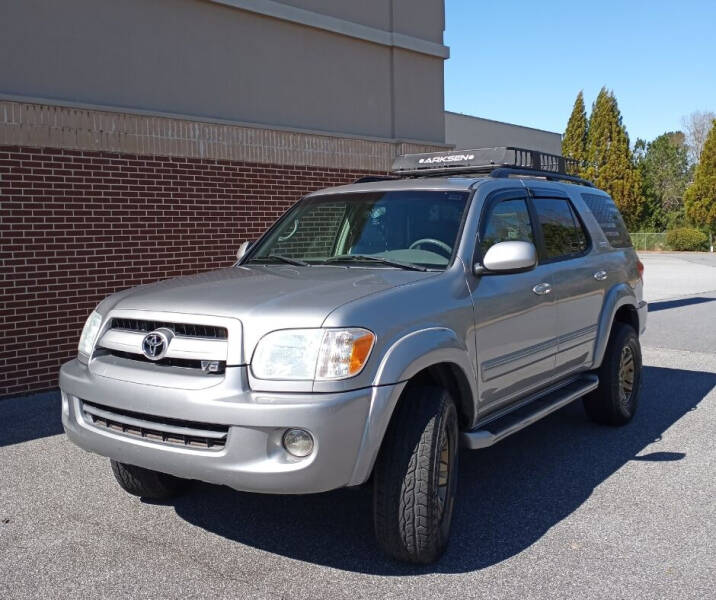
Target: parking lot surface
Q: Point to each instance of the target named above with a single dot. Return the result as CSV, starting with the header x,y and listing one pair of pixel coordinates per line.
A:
x,y
563,509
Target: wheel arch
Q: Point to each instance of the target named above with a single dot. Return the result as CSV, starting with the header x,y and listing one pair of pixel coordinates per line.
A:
x,y
417,350
627,314
620,305
430,357
451,377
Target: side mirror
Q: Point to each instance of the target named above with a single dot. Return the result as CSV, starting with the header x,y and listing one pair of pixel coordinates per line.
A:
x,y
508,257
243,249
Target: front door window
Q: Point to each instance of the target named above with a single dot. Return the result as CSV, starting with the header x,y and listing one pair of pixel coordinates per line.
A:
x,y
508,220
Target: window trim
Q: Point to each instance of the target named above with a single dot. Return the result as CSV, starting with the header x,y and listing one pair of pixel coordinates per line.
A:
x,y
320,196
542,248
492,200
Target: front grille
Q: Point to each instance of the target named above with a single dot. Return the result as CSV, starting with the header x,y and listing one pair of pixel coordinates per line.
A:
x,y
183,329
164,430
185,363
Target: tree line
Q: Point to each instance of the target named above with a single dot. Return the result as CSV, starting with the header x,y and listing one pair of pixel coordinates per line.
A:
x,y
665,184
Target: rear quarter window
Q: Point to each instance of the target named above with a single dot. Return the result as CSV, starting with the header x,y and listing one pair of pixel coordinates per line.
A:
x,y
609,218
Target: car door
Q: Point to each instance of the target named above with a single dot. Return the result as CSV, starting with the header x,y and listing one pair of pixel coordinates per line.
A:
x,y
515,316
578,277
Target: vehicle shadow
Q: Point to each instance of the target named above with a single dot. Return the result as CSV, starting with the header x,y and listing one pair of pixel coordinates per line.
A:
x,y
509,495
25,418
678,303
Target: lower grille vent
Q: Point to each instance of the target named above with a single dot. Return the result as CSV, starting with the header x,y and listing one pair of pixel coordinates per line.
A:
x,y
176,432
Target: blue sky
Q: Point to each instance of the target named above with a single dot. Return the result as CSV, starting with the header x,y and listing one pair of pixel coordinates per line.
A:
x,y
524,61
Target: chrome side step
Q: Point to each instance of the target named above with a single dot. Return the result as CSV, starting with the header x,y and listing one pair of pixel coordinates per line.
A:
x,y
497,430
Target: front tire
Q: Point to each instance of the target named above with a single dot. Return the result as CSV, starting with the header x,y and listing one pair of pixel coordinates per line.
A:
x,y
615,401
415,477
146,483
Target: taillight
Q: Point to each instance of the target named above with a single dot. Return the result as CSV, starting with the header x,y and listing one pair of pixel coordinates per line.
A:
x,y
640,268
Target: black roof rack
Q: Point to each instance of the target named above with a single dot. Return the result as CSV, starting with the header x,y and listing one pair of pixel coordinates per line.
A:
x,y
502,161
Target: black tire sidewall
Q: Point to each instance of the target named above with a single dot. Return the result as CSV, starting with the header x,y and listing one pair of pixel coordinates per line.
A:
x,y
409,524
626,337
603,405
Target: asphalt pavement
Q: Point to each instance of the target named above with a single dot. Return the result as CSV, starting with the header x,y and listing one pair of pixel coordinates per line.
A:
x,y
563,509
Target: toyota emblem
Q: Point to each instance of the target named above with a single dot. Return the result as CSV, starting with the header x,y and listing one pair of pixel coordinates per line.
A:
x,y
156,344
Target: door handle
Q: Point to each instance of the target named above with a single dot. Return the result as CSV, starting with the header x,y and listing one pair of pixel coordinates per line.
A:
x,y
542,288
600,275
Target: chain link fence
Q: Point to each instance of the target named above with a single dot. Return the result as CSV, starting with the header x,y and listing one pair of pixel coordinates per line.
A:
x,y
649,241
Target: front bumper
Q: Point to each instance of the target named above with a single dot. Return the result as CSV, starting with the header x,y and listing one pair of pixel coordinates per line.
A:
x,y
347,428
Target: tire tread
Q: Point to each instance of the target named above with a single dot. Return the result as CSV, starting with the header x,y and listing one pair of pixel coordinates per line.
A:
x,y
602,405
146,483
405,511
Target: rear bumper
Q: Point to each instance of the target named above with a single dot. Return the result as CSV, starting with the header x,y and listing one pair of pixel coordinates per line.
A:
x,y
344,426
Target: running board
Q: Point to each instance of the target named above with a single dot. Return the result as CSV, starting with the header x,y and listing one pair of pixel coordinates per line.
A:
x,y
512,422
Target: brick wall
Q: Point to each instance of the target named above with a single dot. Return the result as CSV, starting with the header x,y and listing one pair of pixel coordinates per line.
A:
x,y
78,225
317,234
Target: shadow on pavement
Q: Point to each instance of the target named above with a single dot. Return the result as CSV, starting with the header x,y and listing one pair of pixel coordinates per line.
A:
x,y
509,495
665,304
660,456
25,418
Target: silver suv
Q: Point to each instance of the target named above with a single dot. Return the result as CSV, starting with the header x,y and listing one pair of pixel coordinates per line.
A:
x,y
371,333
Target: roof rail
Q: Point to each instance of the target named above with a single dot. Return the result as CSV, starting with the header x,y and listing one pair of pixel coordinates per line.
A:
x,y
509,171
372,178
501,161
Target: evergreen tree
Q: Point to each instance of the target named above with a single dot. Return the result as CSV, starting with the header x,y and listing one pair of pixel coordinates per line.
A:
x,y
664,168
609,162
700,197
574,142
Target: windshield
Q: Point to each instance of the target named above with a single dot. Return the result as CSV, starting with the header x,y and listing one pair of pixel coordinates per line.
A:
x,y
402,228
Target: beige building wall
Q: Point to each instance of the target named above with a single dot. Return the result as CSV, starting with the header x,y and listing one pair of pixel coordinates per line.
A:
x,y
372,68
423,19
465,131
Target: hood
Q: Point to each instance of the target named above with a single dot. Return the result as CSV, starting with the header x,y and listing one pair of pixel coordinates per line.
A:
x,y
266,297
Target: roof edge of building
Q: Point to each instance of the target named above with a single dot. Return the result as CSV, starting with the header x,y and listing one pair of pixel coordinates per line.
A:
x,y
309,18
459,114
37,122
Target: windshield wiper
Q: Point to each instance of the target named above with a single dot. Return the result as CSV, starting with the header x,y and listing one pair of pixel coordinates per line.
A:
x,y
380,259
286,259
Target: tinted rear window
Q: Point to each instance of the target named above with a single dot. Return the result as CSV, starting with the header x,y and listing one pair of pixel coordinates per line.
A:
x,y
609,219
562,233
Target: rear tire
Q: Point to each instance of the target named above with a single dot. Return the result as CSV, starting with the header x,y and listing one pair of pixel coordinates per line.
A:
x,y
146,483
415,477
614,402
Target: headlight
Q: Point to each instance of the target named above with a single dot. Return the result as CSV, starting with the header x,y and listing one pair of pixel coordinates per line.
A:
x,y
89,333
321,354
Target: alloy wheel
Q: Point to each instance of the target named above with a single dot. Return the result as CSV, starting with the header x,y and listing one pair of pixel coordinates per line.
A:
x,y
626,376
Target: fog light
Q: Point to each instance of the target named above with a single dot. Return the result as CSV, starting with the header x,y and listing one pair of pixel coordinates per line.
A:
x,y
298,442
